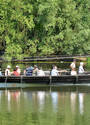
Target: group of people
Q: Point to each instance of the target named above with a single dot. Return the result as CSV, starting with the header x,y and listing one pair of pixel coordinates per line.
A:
x,y
73,68
56,72
29,71
35,71
15,72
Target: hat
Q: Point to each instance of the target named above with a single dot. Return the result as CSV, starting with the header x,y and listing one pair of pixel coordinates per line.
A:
x,y
35,66
8,66
17,66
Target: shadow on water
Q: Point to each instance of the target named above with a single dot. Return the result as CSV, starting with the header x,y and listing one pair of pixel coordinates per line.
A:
x,y
40,87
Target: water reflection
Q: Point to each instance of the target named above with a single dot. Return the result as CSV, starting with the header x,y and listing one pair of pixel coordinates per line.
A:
x,y
9,98
0,94
12,96
16,96
28,95
81,103
42,106
41,99
73,101
54,96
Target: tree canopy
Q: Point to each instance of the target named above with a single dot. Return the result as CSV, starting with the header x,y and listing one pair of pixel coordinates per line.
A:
x,y
44,27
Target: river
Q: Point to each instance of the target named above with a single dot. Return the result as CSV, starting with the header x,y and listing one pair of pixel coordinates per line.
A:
x,y
60,105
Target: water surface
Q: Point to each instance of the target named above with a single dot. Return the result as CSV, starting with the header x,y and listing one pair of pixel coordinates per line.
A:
x,y
68,105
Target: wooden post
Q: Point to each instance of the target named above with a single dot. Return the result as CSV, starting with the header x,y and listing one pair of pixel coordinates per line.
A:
x,y
76,78
6,82
50,79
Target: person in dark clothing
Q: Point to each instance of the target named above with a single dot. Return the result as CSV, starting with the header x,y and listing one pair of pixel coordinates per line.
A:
x,y
29,71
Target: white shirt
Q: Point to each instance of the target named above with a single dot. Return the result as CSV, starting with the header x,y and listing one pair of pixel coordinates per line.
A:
x,y
73,66
40,73
7,72
54,72
81,69
73,73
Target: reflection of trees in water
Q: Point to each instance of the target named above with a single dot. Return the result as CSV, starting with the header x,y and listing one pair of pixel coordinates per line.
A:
x,y
28,95
44,107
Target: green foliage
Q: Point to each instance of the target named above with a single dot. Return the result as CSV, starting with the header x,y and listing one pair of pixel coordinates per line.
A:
x,y
44,27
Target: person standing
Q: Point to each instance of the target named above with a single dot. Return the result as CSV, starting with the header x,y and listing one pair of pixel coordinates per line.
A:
x,y
7,71
73,67
81,69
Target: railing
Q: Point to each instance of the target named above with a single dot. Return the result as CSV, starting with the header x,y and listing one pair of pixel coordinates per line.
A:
x,y
51,57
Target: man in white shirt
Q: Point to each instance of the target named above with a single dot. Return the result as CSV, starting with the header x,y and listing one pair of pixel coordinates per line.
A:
x,y
54,71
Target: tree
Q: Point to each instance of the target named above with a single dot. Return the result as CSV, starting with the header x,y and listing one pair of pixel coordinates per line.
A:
x,y
44,27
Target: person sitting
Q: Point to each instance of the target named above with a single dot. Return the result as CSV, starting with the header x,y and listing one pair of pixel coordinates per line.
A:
x,y
35,70
15,72
7,71
81,69
54,71
29,71
40,72
18,70
0,72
